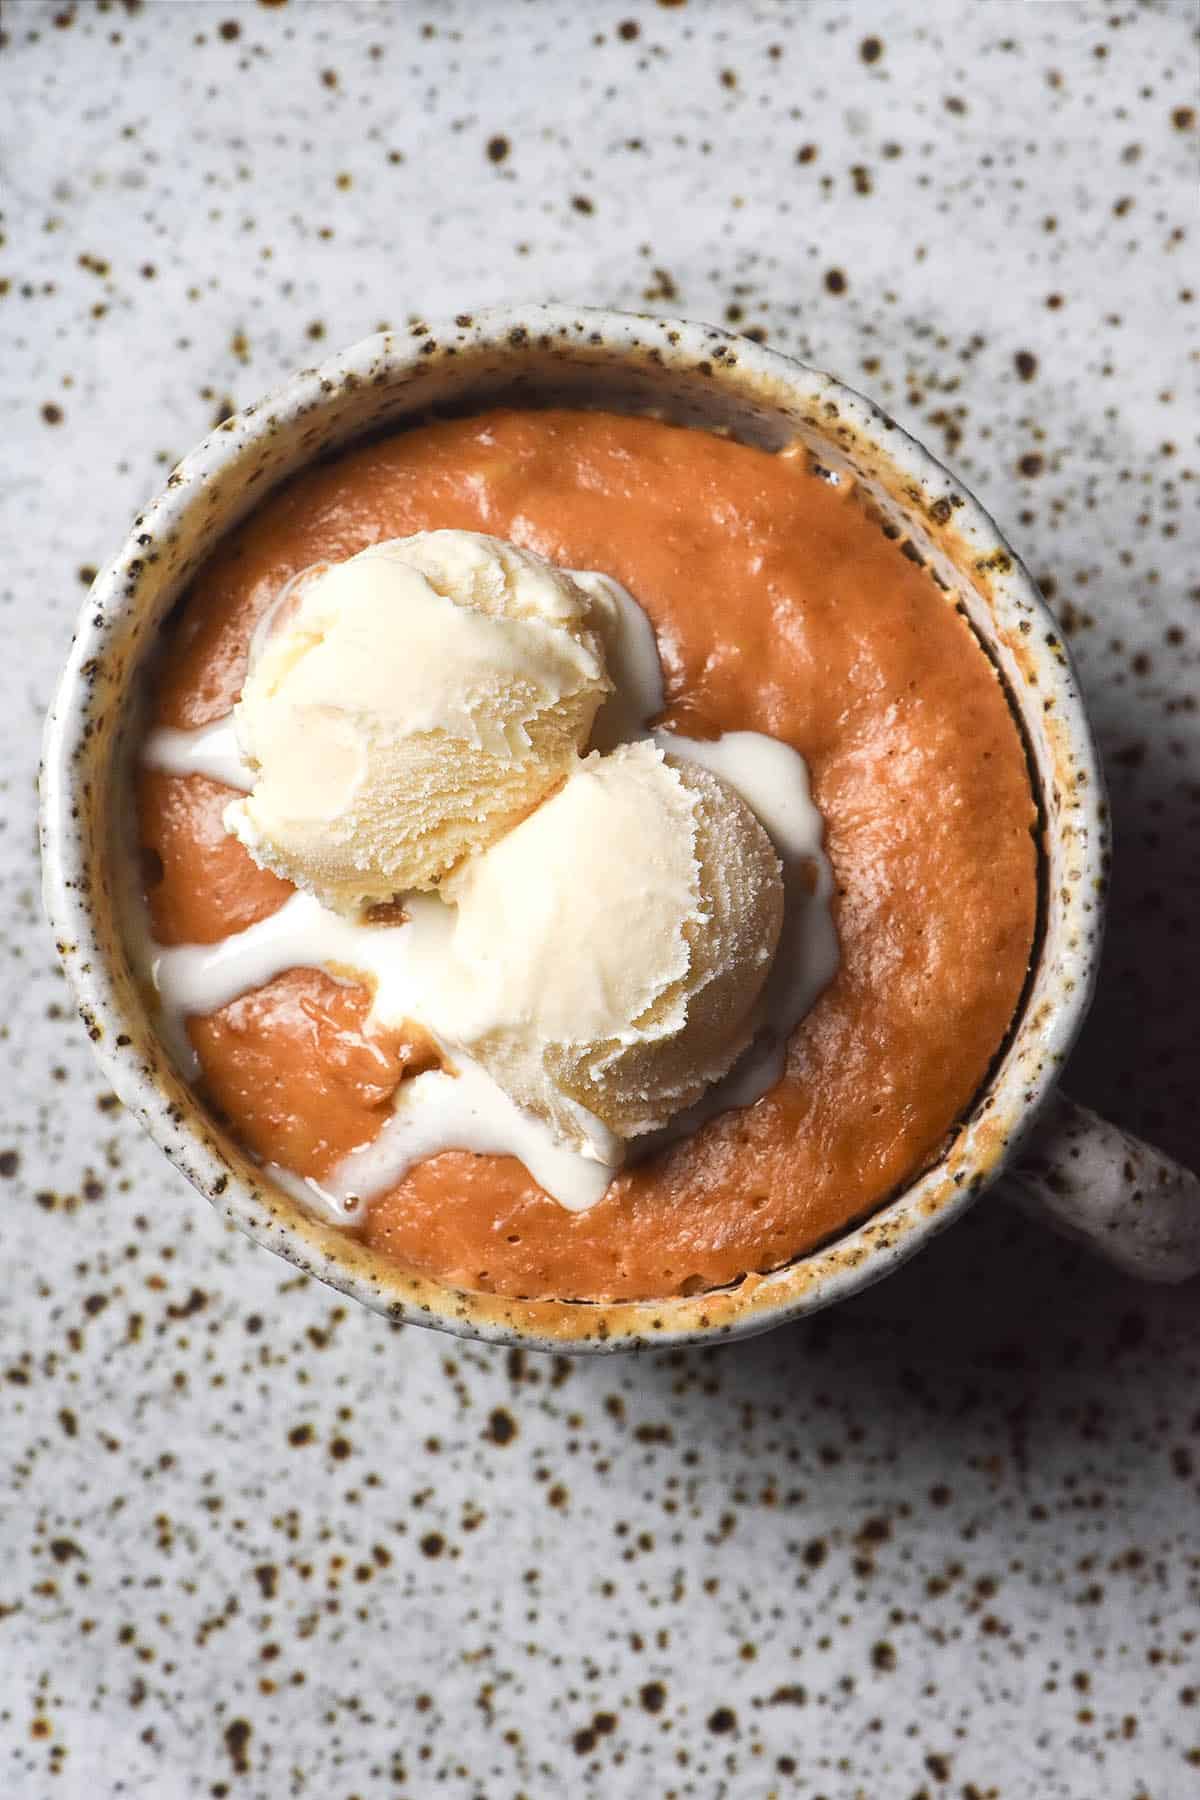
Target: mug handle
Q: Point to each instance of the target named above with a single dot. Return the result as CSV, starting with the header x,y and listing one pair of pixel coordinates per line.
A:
x,y
1092,1182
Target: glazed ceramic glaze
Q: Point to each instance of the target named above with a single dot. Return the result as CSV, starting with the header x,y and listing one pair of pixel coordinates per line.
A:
x,y
691,374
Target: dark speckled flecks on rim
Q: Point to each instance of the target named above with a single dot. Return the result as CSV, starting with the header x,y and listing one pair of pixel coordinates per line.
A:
x,y
691,373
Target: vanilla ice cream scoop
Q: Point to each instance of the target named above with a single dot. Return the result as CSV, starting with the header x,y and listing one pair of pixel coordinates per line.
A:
x,y
608,953
408,707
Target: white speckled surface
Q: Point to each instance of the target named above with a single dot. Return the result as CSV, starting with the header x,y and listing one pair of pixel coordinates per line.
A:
x,y
942,1540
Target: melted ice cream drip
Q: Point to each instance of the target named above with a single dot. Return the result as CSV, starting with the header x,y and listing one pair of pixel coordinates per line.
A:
x,y
466,1109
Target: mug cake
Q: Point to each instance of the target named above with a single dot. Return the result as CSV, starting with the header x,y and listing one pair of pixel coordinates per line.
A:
x,y
582,856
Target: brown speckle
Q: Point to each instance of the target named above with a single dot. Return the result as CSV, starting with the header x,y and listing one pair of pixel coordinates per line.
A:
x,y
501,1427
237,1742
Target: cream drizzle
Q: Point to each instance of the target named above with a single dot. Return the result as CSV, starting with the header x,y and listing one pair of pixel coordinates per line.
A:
x,y
211,750
467,1110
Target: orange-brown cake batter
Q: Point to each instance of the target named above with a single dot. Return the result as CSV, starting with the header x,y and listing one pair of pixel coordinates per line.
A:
x,y
781,608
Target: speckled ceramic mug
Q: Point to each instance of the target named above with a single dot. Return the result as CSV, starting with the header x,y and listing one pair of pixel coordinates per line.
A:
x,y
1088,1179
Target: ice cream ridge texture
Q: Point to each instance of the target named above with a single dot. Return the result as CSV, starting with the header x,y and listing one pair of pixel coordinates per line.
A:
x,y
406,707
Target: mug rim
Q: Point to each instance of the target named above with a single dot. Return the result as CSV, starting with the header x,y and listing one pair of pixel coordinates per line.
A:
x,y
985,1140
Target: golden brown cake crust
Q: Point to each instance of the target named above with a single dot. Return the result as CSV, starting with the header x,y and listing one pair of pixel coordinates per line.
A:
x,y
780,608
